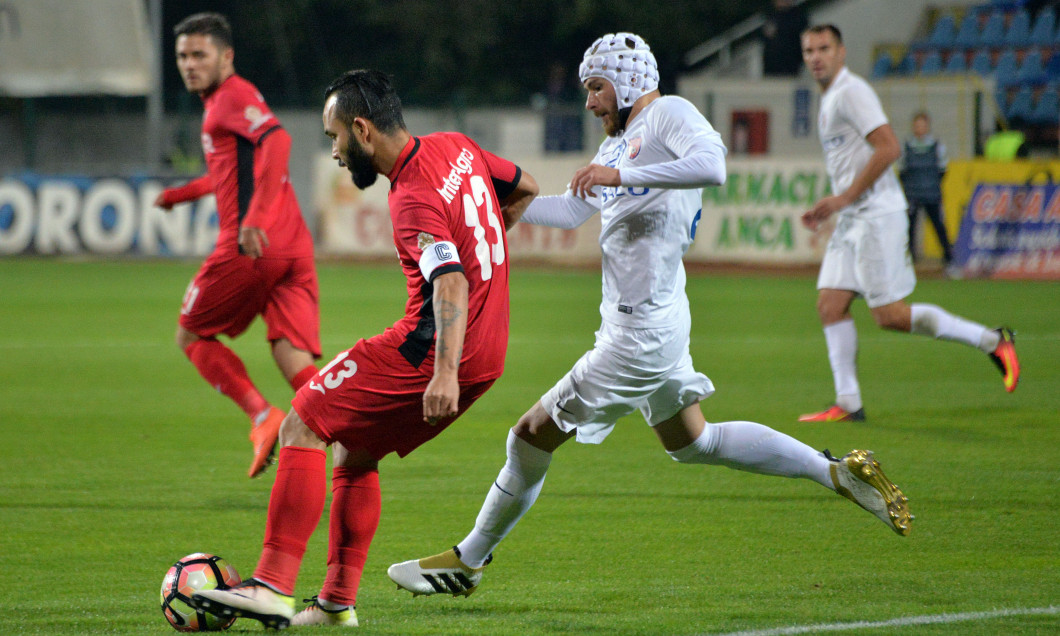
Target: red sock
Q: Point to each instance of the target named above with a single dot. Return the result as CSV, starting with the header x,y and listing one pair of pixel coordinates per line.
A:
x,y
302,377
225,372
295,507
355,506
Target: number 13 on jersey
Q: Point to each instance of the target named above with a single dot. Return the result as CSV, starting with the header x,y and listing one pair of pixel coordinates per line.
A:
x,y
488,255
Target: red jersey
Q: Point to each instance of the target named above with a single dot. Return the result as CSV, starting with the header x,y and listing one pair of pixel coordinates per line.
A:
x,y
446,217
235,123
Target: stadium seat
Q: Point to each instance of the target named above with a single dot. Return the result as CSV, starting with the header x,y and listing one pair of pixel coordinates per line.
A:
x,y
1018,33
943,34
1052,67
1001,97
1032,70
882,67
907,66
1006,68
993,33
968,33
1047,110
1022,105
932,63
981,62
956,63
1042,31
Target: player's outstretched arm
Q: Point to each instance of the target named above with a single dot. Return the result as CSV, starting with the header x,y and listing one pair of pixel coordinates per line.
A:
x,y
450,320
194,189
513,205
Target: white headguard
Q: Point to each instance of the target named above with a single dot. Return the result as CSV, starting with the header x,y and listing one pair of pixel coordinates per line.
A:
x,y
625,60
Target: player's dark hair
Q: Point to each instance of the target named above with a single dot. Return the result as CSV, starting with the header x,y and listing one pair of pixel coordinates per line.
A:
x,y
214,25
826,28
367,94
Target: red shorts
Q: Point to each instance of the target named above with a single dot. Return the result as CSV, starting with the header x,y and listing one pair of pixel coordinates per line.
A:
x,y
363,401
230,290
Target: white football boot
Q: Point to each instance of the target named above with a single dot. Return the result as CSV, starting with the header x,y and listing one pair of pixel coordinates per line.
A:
x,y
314,614
442,573
249,599
857,476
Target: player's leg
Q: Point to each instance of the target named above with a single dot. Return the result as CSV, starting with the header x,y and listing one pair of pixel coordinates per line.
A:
x,y
458,571
224,297
931,320
296,365
586,402
756,448
355,509
913,212
295,506
292,318
841,340
747,446
223,370
934,214
530,445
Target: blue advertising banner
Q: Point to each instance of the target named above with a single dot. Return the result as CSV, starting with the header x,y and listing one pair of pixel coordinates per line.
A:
x,y
1011,231
65,215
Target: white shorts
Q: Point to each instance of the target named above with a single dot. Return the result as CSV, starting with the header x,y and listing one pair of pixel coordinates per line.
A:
x,y
870,256
627,369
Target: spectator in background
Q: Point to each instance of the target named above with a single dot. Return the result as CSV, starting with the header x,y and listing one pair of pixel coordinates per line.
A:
x,y
263,260
923,164
1005,145
784,25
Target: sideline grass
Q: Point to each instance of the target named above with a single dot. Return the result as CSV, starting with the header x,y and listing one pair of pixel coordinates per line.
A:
x,y
117,460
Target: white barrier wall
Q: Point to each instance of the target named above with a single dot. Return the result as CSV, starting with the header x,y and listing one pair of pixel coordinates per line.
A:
x,y
753,218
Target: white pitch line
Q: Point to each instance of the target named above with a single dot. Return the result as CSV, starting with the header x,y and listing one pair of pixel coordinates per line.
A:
x,y
930,619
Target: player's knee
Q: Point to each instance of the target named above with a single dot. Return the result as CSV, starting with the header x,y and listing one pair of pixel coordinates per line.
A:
x,y
294,432
184,338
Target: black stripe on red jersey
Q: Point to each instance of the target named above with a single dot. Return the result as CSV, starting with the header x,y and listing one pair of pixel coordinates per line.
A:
x,y
244,176
419,341
412,153
267,133
504,188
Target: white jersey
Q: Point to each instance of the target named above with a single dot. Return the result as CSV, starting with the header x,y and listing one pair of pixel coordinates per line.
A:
x,y
647,226
850,110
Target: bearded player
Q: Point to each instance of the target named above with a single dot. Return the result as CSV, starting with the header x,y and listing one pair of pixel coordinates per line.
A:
x,y
450,203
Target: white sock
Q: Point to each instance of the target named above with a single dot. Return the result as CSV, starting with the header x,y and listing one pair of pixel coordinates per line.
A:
x,y
934,321
842,341
757,449
515,490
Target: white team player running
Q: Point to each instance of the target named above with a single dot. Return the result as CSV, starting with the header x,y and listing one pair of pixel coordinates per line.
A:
x,y
867,253
646,182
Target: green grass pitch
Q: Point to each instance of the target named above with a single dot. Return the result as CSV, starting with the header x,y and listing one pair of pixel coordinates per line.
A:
x,y
117,459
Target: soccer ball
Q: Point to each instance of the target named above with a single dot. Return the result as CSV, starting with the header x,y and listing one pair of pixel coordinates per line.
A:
x,y
199,571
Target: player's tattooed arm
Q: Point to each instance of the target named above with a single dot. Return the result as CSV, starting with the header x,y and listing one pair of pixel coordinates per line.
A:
x,y
442,396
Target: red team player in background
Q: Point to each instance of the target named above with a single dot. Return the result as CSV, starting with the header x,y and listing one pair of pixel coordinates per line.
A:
x,y
450,204
263,260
